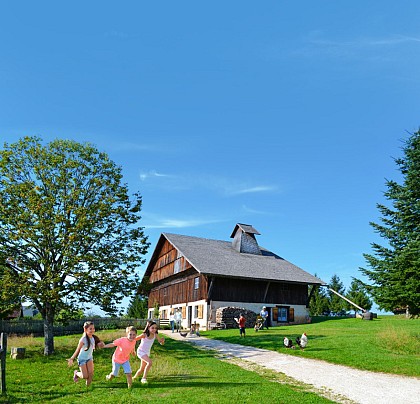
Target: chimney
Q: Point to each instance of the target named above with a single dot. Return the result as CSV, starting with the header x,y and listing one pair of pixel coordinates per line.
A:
x,y
244,240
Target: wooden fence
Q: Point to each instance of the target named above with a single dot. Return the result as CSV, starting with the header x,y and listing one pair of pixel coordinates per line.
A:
x,y
36,327
3,353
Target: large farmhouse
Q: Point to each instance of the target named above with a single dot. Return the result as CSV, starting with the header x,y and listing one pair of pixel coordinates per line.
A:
x,y
198,275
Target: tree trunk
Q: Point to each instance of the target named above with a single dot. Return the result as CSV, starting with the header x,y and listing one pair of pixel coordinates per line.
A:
x,y
48,331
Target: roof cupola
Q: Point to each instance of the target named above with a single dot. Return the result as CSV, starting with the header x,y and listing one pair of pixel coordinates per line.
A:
x,y
244,240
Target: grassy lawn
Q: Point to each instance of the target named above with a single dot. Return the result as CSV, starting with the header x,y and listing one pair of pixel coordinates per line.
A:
x,y
389,344
180,373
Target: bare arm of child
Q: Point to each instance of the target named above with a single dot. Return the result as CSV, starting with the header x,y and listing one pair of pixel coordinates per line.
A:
x,y
110,345
76,352
141,336
160,339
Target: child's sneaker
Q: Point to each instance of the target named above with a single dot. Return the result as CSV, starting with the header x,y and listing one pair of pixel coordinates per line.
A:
x,y
108,377
75,377
143,381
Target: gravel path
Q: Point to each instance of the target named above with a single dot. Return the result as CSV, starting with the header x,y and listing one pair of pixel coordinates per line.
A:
x,y
346,384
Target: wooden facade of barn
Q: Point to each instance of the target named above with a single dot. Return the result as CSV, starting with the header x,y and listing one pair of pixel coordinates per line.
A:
x,y
199,275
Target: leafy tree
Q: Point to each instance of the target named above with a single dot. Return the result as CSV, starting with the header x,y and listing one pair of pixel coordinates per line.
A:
x,y
9,297
69,225
395,268
64,316
336,303
156,312
357,294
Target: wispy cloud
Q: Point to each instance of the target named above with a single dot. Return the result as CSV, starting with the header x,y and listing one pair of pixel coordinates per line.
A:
x,y
221,185
255,189
253,211
394,40
157,222
316,42
153,174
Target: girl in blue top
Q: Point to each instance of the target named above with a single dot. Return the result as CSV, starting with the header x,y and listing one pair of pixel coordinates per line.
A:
x,y
84,353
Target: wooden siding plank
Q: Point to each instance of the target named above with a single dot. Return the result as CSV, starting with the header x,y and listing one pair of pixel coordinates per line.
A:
x,y
180,291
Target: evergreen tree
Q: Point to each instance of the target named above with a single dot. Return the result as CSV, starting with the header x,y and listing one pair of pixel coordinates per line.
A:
x,y
357,294
395,268
318,305
335,303
137,307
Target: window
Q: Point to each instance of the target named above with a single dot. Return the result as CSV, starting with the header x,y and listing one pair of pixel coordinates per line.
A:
x,y
196,283
198,311
178,264
282,314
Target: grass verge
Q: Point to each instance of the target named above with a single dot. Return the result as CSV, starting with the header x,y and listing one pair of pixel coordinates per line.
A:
x,y
389,344
180,373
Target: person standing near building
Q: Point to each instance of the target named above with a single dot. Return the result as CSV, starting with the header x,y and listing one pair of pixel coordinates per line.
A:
x,y
178,319
241,323
264,315
172,320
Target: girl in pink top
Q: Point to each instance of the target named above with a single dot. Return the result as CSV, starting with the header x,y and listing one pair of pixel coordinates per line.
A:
x,y
121,358
148,337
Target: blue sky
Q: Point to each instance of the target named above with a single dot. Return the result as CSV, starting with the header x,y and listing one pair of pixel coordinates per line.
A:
x,y
283,115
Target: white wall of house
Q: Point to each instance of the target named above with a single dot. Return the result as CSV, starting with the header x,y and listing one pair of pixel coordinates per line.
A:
x,y
198,315
301,313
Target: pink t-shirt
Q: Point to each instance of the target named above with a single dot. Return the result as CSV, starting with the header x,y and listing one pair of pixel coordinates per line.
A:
x,y
123,350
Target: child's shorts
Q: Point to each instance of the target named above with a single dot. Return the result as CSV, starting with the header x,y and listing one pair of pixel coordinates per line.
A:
x,y
116,367
82,362
140,354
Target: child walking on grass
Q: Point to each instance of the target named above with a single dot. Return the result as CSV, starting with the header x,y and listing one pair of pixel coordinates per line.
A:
x,y
121,357
84,353
148,337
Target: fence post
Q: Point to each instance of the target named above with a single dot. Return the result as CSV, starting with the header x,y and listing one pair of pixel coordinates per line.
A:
x,y
3,353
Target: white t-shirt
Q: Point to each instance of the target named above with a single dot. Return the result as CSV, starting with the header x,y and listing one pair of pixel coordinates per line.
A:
x,y
145,346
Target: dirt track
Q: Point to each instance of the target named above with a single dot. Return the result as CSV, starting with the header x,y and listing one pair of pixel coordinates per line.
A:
x,y
344,384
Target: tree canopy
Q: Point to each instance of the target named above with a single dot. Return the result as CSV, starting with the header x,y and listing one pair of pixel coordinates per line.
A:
x,y
68,227
394,268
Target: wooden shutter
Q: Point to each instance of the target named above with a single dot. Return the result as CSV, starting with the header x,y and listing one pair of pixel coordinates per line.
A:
x,y
275,314
200,311
291,314
184,312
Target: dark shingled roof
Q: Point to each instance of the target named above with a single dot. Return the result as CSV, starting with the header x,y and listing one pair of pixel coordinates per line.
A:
x,y
218,258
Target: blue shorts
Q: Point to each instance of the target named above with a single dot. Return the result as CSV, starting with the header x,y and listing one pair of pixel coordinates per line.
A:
x,y
82,362
116,367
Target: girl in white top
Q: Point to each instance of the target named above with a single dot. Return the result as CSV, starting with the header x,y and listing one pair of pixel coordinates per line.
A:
x,y
147,339
84,353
